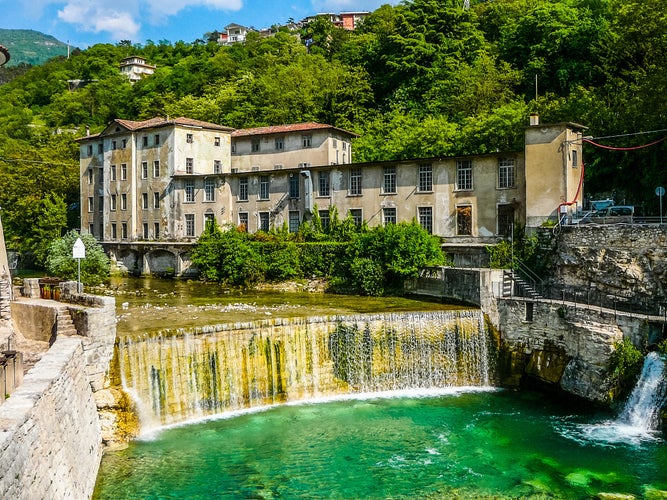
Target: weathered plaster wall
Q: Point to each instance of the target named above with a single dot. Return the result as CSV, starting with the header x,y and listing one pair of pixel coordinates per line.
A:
x,y
50,439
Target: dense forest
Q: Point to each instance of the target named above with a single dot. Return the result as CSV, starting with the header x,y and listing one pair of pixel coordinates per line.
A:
x,y
423,78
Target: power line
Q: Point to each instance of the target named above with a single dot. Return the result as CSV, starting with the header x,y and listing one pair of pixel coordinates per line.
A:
x,y
626,135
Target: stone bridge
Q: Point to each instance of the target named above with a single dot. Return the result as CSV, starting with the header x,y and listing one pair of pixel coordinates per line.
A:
x,y
152,258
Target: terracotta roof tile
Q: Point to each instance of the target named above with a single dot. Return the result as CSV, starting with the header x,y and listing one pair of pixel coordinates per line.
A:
x,y
161,122
283,129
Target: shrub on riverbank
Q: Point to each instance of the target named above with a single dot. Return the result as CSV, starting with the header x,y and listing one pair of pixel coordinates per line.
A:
x,y
367,261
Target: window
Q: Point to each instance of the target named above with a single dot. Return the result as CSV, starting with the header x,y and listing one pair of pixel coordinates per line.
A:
x,y
216,141
100,201
123,201
144,201
529,311
323,184
123,230
156,200
280,143
464,220
113,144
243,221
113,172
426,218
91,228
243,189
156,230
217,167
264,221
123,144
389,186
233,147
144,170
209,190
307,141
91,176
156,168
325,218
334,143
145,228
264,187
254,145
575,158
189,191
505,219
123,171
425,184
209,219
189,225
101,175
113,203
144,141
356,215
189,139
389,216
505,173
90,150
100,149
464,175
91,203
156,139
114,231
189,166
355,182
293,186
293,221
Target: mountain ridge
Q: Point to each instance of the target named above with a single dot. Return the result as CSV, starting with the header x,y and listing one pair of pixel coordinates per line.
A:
x,y
30,46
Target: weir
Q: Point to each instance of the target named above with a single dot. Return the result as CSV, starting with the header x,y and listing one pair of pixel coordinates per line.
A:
x,y
178,376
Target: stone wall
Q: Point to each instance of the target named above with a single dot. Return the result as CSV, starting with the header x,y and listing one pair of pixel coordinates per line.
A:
x,y
50,444
566,346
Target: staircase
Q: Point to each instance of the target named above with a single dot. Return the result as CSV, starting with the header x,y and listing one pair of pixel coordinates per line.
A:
x,y
513,284
64,322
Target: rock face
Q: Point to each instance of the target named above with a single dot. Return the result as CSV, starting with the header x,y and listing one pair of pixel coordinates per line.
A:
x,y
625,261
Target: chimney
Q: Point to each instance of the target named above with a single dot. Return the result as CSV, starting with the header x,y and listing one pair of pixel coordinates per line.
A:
x,y
534,119
87,130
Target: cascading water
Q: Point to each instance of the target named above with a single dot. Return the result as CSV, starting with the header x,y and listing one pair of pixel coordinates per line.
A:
x,y
642,409
186,375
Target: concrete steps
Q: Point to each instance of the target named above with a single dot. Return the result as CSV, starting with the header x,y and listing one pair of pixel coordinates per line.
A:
x,y
513,284
64,322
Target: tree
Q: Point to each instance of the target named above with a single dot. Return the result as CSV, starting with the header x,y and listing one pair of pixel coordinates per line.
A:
x,y
94,268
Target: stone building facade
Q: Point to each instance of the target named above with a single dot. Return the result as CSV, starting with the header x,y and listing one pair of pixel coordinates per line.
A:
x,y
148,188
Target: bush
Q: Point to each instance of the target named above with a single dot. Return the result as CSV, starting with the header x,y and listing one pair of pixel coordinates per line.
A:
x,y
94,268
625,362
367,276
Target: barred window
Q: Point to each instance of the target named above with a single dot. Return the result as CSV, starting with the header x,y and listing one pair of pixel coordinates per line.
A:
x,y
425,178
294,186
189,191
357,216
209,190
464,175
325,218
156,168
426,218
189,225
264,221
389,185
355,182
243,189
144,169
189,165
324,184
294,221
506,173
389,216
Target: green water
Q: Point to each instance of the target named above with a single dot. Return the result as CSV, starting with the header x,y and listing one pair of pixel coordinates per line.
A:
x,y
493,444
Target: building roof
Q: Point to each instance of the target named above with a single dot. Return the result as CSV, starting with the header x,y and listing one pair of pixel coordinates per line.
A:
x,y
285,129
133,126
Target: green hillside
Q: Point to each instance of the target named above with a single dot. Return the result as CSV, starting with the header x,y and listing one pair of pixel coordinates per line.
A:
x,y
31,47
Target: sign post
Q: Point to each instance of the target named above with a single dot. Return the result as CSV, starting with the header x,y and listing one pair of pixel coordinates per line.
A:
x,y
660,192
79,252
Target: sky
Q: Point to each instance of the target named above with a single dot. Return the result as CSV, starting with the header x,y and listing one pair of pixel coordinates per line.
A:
x,y
83,23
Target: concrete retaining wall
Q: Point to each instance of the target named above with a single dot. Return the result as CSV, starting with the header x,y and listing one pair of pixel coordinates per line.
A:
x,y
50,439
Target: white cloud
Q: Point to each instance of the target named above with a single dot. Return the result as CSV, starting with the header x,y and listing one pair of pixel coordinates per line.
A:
x,y
121,18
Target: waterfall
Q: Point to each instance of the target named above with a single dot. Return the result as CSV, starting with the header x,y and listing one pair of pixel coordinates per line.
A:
x,y
182,375
642,409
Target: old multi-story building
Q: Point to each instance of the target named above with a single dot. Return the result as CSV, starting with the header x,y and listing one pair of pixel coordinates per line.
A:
x,y
136,68
148,188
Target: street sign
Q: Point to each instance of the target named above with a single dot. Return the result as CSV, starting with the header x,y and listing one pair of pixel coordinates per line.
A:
x,y
79,250
660,191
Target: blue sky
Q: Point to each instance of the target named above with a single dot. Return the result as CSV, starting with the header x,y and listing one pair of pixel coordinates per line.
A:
x,y
83,23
